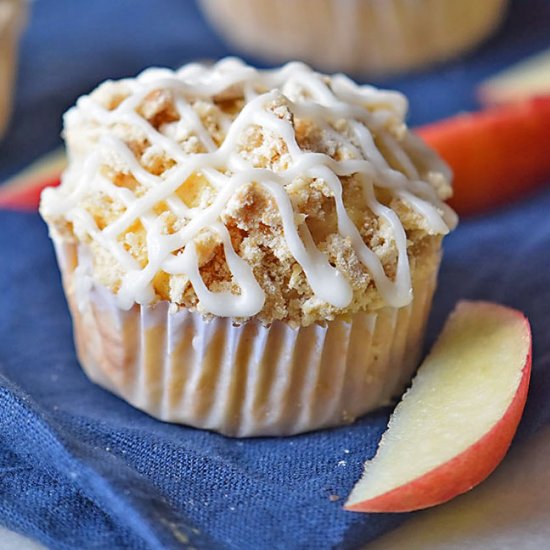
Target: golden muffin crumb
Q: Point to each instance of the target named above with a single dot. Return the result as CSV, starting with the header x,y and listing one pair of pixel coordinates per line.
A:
x,y
161,129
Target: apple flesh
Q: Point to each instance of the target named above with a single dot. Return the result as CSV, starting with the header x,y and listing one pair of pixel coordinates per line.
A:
x,y
526,79
456,422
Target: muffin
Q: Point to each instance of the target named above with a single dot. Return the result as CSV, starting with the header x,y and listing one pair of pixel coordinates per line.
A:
x,y
250,252
369,37
12,17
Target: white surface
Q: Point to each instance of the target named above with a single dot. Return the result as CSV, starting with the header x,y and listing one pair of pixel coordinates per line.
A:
x,y
14,541
510,510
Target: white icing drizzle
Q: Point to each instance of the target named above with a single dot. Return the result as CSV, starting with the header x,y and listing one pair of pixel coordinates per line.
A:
x,y
309,95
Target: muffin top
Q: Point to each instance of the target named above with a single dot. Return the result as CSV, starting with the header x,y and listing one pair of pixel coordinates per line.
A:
x,y
277,195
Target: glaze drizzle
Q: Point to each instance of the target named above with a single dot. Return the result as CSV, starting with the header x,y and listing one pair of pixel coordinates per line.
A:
x,y
310,96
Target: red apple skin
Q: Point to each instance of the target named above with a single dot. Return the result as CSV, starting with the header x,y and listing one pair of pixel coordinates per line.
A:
x,y
26,197
497,155
464,471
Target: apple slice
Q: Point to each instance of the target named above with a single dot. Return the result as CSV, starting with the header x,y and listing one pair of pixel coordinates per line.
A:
x,y
456,422
496,155
526,79
22,192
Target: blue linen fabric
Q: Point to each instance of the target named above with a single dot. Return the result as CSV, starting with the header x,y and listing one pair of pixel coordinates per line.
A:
x,y
79,468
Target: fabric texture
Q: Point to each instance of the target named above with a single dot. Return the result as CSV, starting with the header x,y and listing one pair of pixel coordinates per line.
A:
x,y
79,468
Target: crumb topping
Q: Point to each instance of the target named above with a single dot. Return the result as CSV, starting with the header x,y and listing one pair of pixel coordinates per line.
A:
x,y
301,197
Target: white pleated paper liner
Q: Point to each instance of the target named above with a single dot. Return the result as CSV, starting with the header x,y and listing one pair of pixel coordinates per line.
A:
x,y
246,380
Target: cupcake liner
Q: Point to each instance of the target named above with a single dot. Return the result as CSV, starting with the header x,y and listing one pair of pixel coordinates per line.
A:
x,y
246,380
12,15
367,36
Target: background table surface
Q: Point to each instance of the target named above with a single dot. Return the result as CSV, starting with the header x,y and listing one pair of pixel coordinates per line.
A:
x,y
61,58
507,512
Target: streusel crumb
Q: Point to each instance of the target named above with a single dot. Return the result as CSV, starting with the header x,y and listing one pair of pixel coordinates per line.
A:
x,y
251,215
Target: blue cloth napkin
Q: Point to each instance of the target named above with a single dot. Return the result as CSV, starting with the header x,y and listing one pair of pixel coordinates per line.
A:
x,y
79,468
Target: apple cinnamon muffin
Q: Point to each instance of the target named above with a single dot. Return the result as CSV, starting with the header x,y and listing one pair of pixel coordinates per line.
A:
x,y
368,37
13,14
252,252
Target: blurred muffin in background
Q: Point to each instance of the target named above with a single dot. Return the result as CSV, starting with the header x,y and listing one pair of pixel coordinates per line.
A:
x,y
12,16
370,37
